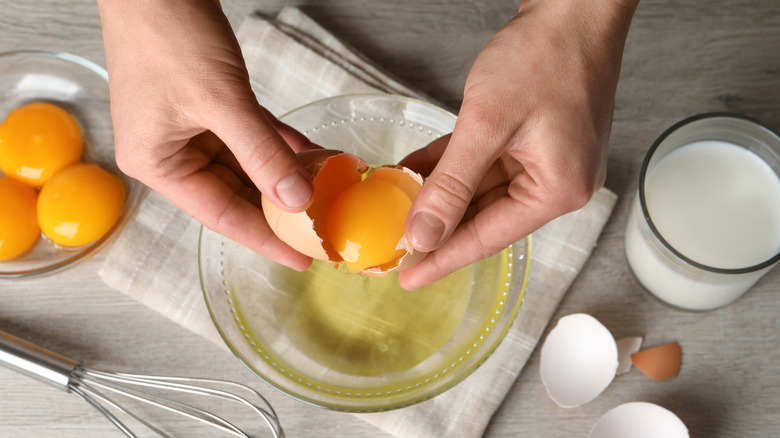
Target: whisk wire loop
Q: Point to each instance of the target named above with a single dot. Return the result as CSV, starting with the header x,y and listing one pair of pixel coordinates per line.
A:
x,y
159,402
99,402
185,384
93,386
119,383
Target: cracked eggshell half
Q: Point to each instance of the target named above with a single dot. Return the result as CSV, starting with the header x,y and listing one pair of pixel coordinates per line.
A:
x,y
639,420
295,229
579,359
332,172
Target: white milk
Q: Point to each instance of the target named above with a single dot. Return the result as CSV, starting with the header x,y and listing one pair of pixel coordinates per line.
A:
x,y
716,203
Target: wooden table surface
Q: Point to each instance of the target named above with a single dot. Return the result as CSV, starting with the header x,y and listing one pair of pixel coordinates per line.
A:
x,y
682,57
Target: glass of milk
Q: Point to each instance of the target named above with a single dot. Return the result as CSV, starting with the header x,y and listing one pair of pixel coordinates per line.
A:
x,y
705,225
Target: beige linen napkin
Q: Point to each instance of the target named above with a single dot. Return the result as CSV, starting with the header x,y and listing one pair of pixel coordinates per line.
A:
x,y
293,61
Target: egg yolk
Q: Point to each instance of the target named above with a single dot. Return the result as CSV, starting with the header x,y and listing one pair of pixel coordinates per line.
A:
x,y
18,227
37,140
80,204
365,223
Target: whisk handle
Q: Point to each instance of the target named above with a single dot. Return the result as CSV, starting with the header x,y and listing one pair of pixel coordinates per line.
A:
x,y
39,363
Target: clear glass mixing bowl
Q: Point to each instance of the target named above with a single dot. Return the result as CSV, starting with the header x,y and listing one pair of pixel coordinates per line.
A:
x,y
352,343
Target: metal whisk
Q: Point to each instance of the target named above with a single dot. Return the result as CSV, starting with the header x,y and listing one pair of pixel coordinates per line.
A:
x,y
95,386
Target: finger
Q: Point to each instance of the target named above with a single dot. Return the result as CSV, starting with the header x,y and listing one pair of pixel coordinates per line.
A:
x,y
497,177
226,159
263,154
492,229
448,191
210,200
423,160
297,141
502,218
236,183
211,150
206,147
483,201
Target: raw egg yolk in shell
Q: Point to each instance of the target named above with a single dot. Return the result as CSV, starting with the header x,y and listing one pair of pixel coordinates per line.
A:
x,y
37,140
18,227
357,217
366,222
80,204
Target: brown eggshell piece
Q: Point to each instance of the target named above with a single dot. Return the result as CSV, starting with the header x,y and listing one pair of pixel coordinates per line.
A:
x,y
659,363
296,229
313,159
408,260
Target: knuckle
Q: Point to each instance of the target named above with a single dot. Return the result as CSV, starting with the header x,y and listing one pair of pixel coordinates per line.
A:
x,y
262,156
493,238
214,97
127,158
571,192
124,162
479,124
449,191
483,247
138,158
578,196
219,219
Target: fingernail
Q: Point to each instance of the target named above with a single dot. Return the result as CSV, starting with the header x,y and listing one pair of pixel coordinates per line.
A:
x,y
426,231
294,190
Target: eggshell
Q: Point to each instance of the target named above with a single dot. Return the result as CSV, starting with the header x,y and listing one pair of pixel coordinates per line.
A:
x,y
295,229
626,347
579,359
659,363
330,176
406,261
410,186
639,420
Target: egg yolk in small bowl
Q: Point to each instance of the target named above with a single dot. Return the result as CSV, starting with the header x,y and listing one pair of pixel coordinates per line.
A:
x,y
80,204
18,228
37,140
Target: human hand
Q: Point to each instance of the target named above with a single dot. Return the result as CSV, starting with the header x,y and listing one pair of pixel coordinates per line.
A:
x,y
531,137
188,125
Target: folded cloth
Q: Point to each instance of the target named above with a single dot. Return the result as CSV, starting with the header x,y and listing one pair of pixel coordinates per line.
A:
x,y
293,61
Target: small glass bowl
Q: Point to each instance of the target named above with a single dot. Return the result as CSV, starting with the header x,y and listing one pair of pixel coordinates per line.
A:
x,y
80,87
350,343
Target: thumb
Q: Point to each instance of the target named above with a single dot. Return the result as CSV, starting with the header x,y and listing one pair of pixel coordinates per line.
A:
x,y
263,154
443,199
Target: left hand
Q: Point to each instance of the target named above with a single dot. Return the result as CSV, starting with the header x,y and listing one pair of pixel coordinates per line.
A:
x,y
531,138
188,125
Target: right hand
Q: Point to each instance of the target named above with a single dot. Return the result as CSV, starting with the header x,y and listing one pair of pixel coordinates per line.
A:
x,y
530,142
188,124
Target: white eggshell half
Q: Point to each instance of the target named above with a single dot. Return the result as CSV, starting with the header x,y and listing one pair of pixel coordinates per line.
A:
x,y
626,347
579,359
295,229
639,420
